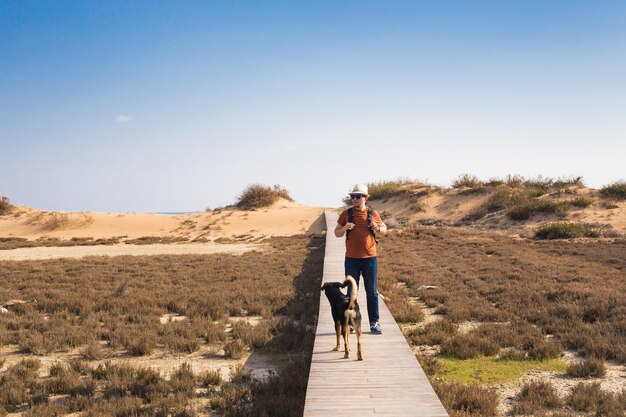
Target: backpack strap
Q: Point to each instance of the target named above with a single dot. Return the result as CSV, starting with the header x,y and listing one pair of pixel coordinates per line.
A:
x,y
370,214
350,220
369,221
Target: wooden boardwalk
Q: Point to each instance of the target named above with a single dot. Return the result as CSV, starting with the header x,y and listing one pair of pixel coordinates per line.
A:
x,y
388,382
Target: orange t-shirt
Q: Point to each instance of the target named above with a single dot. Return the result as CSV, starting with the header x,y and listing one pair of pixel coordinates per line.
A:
x,y
359,242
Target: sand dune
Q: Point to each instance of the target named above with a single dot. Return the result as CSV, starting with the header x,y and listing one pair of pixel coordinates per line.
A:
x,y
282,219
453,206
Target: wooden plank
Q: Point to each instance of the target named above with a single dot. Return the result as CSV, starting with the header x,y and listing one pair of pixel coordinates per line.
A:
x,y
388,382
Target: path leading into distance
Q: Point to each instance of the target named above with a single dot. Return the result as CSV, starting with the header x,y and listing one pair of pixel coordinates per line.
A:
x,y
388,382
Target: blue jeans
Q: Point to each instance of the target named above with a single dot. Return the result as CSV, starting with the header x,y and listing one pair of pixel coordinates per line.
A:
x,y
369,268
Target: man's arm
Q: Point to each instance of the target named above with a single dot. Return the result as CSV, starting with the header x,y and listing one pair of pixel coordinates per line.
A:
x,y
341,230
378,225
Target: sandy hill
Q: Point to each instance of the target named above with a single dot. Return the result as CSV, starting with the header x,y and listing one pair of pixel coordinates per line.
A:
x,y
510,208
517,210
284,218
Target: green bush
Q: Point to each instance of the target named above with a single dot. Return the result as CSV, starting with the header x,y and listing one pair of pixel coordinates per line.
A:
x,y
617,190
565,230
258,196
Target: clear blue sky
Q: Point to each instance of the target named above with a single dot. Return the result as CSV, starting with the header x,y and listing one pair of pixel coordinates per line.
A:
x,y
178,106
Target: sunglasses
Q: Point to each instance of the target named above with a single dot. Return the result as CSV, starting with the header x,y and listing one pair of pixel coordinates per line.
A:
x,y
355,196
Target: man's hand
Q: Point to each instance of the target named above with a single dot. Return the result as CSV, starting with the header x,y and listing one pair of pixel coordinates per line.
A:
x,y
374,226
341,230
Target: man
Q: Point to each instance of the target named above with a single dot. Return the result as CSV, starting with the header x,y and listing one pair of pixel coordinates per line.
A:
x,y
361,248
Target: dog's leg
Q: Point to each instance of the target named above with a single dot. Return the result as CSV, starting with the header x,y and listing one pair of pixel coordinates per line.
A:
x,y
357,329
346,339
338,332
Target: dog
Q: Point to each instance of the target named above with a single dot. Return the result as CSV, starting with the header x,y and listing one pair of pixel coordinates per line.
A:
x,y
346,313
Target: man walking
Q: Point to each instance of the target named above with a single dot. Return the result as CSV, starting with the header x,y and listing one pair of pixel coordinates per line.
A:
x,y
361,225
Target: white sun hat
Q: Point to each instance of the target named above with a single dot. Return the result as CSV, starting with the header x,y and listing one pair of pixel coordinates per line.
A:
x,y
360,189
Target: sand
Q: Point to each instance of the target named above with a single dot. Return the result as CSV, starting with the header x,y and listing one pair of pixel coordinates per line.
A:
x,y
76,252
227,230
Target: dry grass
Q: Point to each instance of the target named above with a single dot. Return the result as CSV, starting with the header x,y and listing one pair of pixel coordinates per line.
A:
x,y
574,291
535,397
530,299
20,242
467,399
585,397
55,220
258,196
76,297
588,367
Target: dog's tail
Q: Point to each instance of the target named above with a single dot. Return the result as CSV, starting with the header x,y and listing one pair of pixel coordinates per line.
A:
x,y
353,291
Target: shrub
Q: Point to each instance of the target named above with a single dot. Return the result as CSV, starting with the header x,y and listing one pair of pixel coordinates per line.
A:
x,y
234,349
253,336
434,333
467,181
539,183
585,397
525,210
540,349
473,399
507,196
568,182
93,352
429,364
183,380
5,205
404,311
56,220
417,207
588,367
565,230
140,344
522,211
386,189
148,384
617,190
258,196
580,202
534,396
82,388
465,346
610,405
211,378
